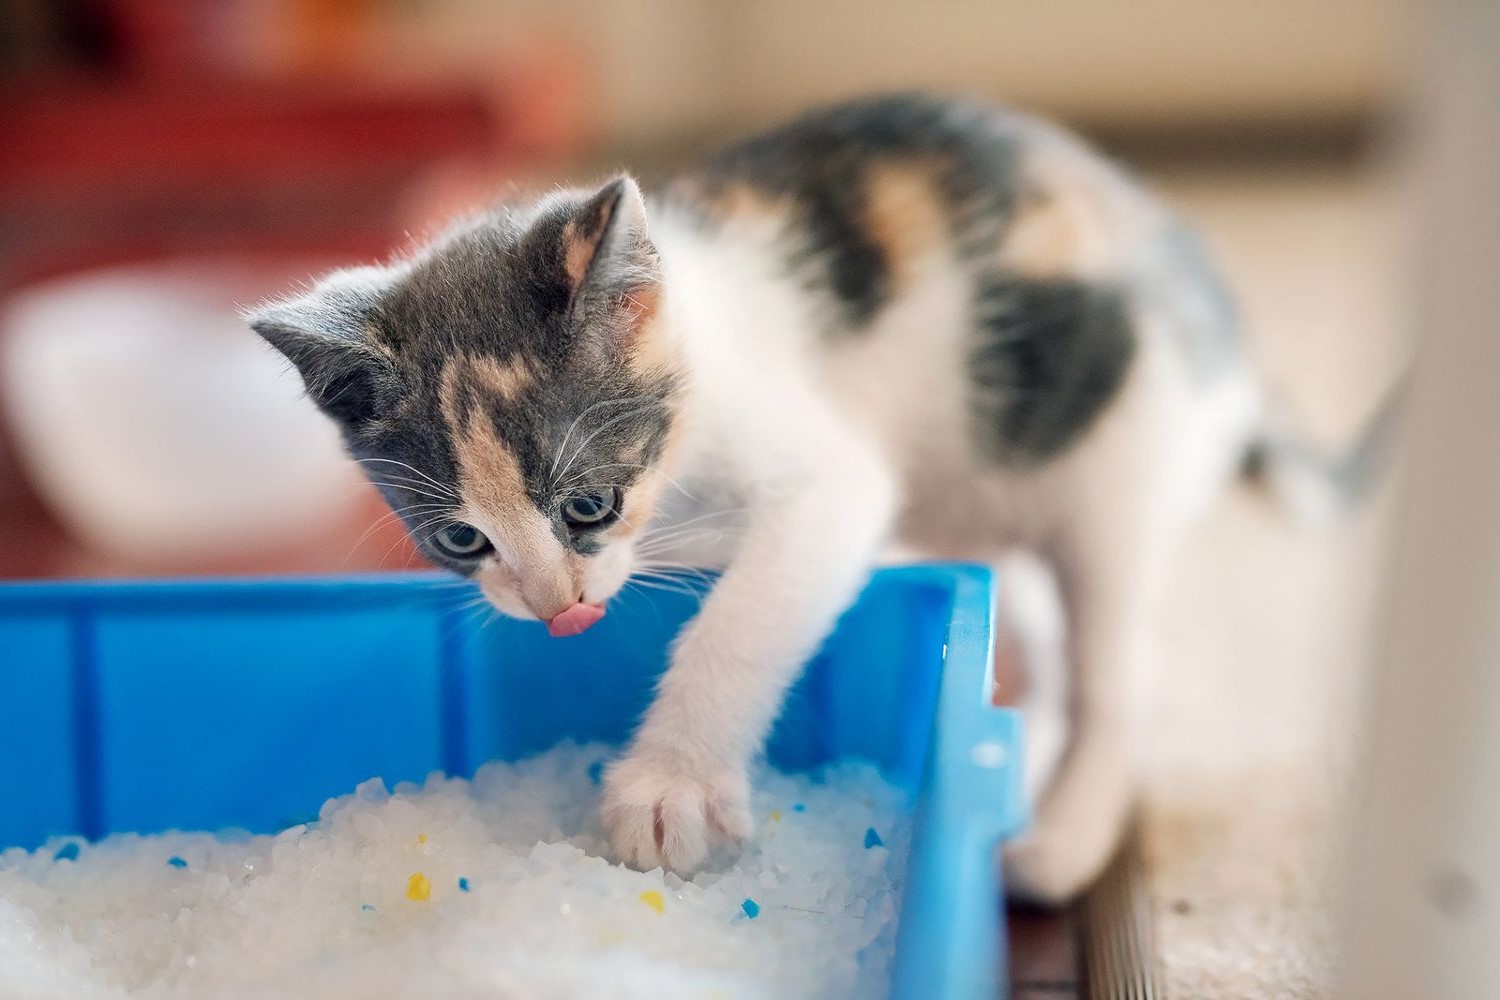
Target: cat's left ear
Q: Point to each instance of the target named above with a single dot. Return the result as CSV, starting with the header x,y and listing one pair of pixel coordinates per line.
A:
x,y
607,254
325,334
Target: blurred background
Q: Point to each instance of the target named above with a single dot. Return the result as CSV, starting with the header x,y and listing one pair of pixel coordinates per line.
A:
x,y
164,161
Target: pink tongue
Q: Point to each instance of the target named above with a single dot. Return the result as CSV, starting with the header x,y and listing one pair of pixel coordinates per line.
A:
x,y
575,620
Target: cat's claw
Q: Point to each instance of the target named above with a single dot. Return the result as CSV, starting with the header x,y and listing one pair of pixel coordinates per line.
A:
x,y
660,815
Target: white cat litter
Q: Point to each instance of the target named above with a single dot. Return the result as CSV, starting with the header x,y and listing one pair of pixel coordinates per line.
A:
x,y
493,887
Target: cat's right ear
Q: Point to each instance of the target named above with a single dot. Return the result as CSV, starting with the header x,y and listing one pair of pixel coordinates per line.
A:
x,y
325,334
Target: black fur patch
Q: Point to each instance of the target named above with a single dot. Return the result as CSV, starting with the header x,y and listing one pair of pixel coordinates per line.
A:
x,y
823,161
1048,357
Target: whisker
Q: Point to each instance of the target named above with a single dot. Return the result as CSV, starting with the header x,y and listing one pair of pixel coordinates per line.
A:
x,y
418,472
474,603
382,521
685,551
574,425
651,584
669,539
632,465
669,573
438,518
564,489
458,583
626,590
673,525
696,572
601,429
412,534
669,583
413,486
394,545
666,538
471,616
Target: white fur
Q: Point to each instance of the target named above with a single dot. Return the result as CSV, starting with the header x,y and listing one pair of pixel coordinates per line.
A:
x,y
834,451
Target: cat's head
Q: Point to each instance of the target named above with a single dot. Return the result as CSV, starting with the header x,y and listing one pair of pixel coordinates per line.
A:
x,y
512,390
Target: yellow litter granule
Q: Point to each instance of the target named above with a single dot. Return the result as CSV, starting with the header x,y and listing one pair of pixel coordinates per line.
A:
x,y
418,888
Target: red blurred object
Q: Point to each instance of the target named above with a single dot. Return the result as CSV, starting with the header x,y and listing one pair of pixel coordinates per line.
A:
x,y
93,175
166,134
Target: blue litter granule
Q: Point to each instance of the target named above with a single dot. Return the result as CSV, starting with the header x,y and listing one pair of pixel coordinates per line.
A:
x,y
367,907
751,908
798,807
176,862
67,852
872,839
596,771
463,885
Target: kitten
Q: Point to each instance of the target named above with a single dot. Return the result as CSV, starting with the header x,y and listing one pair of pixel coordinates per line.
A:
x,y
899,319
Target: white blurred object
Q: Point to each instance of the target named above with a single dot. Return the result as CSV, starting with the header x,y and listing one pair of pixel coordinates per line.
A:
x,y
1422,914
157,425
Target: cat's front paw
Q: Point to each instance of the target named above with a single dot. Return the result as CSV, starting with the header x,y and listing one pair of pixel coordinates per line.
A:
x,y
660,814
1050,867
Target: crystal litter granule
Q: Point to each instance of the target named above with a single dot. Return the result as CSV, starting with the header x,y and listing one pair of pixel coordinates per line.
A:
x,y
493,887
418,887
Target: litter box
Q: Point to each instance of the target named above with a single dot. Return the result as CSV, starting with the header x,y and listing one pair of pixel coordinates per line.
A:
x,y
131,706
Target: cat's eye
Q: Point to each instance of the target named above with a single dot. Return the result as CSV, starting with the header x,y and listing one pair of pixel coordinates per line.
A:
x,y
591,510
461,541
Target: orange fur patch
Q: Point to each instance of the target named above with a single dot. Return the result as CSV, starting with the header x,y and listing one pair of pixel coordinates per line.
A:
x,y
1068,221
581,240
579,252
494,488
490,478
506,379
1042,240
904,216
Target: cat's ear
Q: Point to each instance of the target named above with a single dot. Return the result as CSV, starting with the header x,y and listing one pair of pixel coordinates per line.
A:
x,y
325,334
605,232
608,256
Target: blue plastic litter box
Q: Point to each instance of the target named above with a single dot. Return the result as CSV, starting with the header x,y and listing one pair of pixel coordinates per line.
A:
x,y
203,705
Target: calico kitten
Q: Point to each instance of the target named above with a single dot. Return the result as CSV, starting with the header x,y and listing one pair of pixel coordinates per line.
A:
x,y
902,319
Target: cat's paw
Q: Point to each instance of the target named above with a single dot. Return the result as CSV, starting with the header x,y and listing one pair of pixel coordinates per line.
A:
x,y
660,814
1048,869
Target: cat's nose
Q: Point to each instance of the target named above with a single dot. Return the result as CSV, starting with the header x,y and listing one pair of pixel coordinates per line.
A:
x,y
575,620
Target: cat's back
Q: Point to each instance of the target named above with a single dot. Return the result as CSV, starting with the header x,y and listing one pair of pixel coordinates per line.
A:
x,y
952,250
863,194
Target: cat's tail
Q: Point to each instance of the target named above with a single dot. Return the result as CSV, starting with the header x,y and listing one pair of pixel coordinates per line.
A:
x,y
1315,485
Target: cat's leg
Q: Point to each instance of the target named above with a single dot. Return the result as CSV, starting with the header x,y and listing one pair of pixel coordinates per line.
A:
x,y
1107,567
1031,646
807,549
